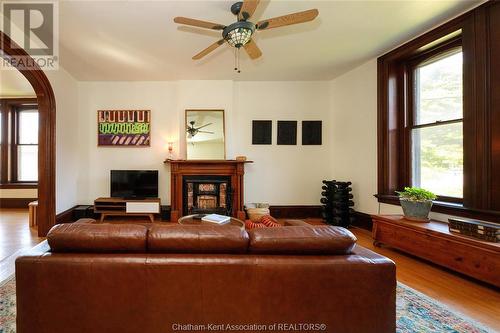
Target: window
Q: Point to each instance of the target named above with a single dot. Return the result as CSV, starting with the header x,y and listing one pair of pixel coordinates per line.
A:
x,y
436,125
19,143
27,145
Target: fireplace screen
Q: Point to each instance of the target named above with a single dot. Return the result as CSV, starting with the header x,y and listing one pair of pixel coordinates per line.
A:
x,y
206,195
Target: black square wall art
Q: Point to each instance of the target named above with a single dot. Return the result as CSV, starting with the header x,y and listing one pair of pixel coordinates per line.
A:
x,y
287,132
262,132
311,132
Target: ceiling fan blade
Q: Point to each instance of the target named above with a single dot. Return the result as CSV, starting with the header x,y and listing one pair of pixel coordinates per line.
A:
x,y
206,132
252,49
203,126
247,9
208,49
198,23
289,19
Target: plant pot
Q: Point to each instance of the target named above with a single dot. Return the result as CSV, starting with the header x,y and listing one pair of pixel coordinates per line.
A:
x,y
416,210
254,214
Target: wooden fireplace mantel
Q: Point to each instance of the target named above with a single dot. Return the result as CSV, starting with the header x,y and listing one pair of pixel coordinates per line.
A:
x,y
180,168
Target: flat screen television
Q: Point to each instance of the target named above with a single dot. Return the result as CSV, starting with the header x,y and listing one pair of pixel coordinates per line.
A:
x,y
134,184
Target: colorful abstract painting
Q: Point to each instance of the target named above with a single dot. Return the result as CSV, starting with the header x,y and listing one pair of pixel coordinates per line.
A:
x,y
130,128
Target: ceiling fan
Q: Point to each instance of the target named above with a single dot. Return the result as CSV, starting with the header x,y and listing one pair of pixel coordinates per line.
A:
x,y
192,131
239,34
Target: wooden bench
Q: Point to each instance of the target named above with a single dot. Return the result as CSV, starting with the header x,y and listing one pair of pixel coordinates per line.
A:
x,y
33,207
434,242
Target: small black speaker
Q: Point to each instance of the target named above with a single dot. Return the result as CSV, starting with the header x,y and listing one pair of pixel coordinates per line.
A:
x,y
165,213
82,212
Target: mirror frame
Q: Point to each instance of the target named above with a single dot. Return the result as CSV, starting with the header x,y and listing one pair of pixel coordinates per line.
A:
x,y
223,130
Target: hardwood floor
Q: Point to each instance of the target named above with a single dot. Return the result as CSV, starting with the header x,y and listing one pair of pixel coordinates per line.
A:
x,y
474,299
15,236
15,233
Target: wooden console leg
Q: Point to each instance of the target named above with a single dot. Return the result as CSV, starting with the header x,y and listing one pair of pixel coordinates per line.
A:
x,y
151,217
102,217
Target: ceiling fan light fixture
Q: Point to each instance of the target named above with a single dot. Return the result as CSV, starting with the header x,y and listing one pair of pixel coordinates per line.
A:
x,y
239,33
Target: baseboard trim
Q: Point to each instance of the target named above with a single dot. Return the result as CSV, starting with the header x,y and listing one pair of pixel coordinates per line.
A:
x,y
362,220
295,212
16,202
66,216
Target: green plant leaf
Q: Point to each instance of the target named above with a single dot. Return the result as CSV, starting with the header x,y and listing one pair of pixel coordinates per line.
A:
x,y
416,194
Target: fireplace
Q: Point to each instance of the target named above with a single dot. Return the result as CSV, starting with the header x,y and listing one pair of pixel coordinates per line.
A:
x,y
206,195
217,182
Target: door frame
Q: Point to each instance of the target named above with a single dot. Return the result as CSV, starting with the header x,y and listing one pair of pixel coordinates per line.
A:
x,y
46,135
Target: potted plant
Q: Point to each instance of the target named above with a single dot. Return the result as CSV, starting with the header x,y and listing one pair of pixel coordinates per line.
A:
x,y
416,203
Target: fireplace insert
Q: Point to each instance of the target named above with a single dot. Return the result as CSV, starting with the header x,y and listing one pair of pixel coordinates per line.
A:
x,y
207,195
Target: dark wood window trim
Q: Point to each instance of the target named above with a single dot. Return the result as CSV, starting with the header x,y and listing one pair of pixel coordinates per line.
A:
x,y
9,110
477,33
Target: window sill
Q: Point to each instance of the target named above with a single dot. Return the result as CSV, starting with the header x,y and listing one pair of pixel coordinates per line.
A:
x,y
449,208
19,186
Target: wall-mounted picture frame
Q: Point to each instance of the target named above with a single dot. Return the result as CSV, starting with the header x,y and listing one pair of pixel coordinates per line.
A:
x,y
312,132
287,132
262,132
124,128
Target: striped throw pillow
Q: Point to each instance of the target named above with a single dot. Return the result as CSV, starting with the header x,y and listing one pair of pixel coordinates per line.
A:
x,y
249,224
269,221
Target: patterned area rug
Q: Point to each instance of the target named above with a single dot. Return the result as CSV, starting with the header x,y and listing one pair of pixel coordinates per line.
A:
x,y
8,306
416,313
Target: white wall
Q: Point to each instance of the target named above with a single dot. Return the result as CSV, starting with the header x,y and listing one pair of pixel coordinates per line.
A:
x,y
354,133
279,174
282,175
67,127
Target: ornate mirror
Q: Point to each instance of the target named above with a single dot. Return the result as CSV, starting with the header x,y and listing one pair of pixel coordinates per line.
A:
x,y
205,135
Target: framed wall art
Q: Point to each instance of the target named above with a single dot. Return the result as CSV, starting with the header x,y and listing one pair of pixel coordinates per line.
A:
x,y
287,132
262,132
311,132
124,128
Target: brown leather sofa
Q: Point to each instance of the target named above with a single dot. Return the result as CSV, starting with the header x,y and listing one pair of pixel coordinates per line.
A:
x,y
131,278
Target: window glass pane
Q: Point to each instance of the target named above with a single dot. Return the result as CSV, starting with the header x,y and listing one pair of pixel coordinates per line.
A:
x,y
28,127
438,85
438,159
27,163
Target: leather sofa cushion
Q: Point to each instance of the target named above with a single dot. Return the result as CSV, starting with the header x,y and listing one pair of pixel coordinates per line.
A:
x,y
197,239
302,240
96,238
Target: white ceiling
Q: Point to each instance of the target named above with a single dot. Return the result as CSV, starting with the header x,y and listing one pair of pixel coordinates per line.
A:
x,y
138,40
14,84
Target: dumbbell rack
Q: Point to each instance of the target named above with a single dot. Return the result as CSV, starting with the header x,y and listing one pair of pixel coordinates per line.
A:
x,y
337,203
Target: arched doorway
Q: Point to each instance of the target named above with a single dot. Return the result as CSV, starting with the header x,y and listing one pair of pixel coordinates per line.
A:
x,y
46,137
